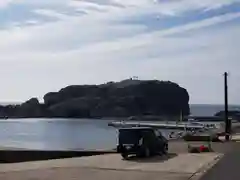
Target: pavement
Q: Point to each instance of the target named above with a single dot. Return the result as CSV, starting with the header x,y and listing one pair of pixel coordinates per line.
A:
x,y
223,164
235,137
112,166
228,166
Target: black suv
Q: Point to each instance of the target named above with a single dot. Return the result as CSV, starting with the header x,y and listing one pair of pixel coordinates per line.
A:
x,y
141,141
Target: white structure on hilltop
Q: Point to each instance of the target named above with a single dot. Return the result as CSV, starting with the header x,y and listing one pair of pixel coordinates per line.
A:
x,y
134,78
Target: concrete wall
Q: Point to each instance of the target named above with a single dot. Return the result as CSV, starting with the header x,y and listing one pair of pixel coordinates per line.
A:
x,y
12,156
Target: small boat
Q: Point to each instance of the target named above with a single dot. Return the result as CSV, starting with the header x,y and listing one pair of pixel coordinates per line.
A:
x,y
156,125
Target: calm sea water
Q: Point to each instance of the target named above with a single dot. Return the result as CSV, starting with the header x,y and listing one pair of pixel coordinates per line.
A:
x,y
209,110
63,134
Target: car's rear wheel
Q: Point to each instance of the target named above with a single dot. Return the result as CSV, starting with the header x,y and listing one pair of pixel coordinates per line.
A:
x,y
165,149
124,155
118,149
147,152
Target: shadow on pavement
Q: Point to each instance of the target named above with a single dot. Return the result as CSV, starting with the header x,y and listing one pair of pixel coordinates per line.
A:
x,y
152,159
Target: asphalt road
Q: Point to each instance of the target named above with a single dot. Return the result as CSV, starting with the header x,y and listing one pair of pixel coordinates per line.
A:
x,y
228,168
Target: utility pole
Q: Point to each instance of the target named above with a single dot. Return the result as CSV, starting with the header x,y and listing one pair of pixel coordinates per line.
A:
x,y
227,120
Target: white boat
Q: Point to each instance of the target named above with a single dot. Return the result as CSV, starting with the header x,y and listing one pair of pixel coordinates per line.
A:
x,y
161,125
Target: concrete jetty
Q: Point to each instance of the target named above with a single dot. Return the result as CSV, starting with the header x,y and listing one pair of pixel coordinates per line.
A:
x,y
179,165
175,167
8,155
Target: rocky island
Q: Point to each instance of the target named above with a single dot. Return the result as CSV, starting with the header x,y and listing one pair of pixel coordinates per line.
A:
x,y
113,99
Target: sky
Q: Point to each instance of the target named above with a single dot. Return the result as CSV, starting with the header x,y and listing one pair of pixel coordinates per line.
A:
x,y
46,45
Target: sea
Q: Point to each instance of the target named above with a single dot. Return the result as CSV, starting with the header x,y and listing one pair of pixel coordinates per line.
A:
x,y
72,134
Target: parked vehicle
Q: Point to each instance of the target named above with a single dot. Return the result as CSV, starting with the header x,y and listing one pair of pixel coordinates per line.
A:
x,y
141,141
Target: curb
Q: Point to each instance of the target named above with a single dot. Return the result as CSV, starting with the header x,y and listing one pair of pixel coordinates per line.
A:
x,y
198,174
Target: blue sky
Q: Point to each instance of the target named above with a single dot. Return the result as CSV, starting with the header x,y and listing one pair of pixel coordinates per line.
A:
x,y
48,44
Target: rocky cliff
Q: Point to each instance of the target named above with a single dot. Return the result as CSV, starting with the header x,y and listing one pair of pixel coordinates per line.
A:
x,y
113,99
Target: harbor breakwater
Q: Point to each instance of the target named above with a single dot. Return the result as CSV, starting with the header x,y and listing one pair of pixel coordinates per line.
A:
x,y
14,156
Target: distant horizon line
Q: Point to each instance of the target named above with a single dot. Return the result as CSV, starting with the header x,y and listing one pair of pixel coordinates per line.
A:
x,y
214,104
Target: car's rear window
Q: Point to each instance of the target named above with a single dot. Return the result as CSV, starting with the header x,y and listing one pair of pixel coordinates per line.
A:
x,y
128,136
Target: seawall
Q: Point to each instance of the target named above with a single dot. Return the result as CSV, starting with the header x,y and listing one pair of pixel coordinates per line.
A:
x,y
13,156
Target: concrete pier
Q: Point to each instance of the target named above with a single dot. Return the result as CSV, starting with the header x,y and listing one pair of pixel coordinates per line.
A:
x,y
175,167
23,155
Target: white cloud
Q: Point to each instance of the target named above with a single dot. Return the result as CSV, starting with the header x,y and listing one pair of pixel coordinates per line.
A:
x,y
31,22
50,13
90,7
171,7
100,46
5,3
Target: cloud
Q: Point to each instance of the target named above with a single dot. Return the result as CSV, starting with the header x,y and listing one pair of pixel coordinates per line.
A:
x,y
171,7
107,42
4,3
50,13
